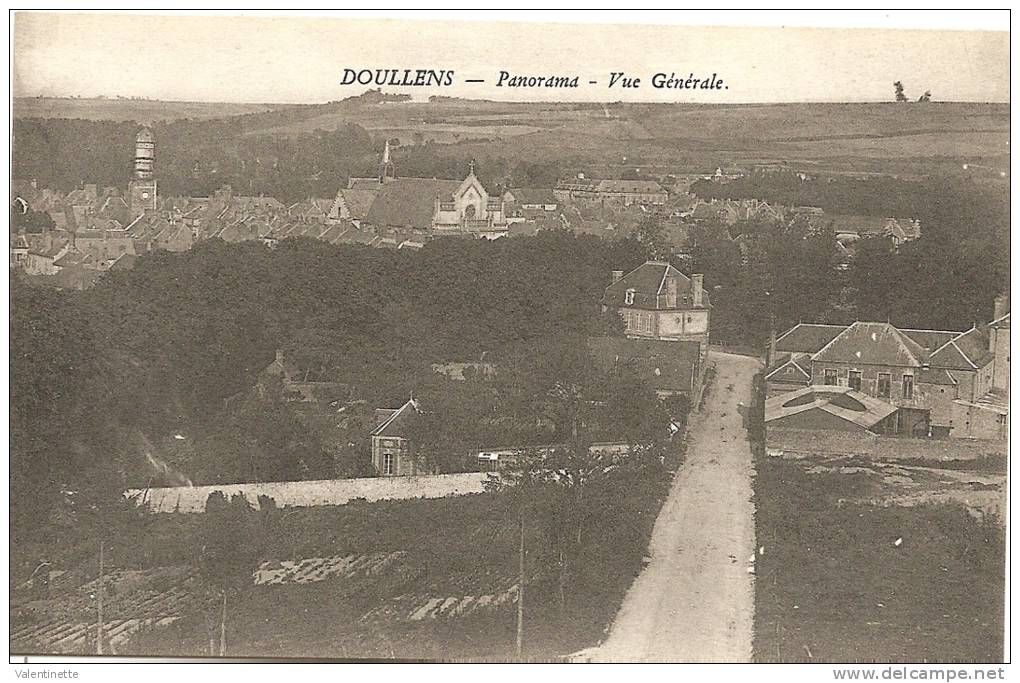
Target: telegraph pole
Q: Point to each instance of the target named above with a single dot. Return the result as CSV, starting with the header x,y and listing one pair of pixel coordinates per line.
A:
x,y
520,591
99,625
223,626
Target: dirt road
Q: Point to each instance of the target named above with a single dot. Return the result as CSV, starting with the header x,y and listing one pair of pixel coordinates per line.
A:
x,y
694,601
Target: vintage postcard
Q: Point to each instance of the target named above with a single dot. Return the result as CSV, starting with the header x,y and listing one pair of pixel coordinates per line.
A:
x,y
354,338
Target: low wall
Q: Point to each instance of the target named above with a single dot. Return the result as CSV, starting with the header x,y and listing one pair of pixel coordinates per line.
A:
x,y
822,442
313,493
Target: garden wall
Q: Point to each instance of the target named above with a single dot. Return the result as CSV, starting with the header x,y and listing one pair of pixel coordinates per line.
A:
x,y
312,493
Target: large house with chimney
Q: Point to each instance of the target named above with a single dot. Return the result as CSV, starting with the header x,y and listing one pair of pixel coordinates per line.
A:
x,y
937,382
666,319
657,301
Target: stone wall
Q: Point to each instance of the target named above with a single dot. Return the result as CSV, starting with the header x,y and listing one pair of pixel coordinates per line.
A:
x,y
313,493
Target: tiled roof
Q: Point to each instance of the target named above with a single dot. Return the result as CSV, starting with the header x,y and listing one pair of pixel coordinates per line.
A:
x,y
649,282
841,402
532,195
357,201
807,337
409,202
872,344
397,422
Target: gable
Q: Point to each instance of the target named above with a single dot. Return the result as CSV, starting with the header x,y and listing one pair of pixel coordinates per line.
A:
x,y
871,344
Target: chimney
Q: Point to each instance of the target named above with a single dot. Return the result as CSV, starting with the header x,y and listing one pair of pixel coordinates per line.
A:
x,y
772,347
671,292
1001,306
617,276
279,356
697,289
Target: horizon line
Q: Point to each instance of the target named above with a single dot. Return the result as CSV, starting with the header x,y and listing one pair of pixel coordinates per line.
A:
x,y
135,98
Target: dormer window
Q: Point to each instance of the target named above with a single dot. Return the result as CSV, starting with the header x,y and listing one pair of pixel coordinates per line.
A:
x,y
628,297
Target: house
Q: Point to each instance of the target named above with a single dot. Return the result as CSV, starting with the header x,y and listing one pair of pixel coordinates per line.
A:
x,y
940,382
19,251
530,204
392,449
610,193
668,368
657,301
302,385
351,205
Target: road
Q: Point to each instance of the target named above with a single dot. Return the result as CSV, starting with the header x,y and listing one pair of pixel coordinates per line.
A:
x,y
694,600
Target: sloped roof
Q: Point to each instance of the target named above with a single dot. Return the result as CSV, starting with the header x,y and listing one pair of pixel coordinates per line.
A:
x,y
967,351
1000,323
790,367
930,339
663,366
841,402
397,422
358,201
125,261
873,344
409,202
533,195
648,282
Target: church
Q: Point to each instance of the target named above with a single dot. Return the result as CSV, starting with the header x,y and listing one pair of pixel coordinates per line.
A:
x,y
432,205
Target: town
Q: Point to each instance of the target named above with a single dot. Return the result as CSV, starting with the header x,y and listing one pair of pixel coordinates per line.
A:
x,y
430,405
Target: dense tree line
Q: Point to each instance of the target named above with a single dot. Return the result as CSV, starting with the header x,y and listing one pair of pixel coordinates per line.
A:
x,y
947,279
104,382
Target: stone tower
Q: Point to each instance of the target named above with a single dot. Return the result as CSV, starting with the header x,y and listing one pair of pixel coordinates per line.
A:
x,y
386,170
142,188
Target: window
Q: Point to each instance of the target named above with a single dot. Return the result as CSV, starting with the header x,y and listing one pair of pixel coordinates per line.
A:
x,y
629,297
854,381
908,386
387,463
884,384
830,377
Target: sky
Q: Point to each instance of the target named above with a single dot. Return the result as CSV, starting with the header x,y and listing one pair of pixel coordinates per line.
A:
x,y
280,59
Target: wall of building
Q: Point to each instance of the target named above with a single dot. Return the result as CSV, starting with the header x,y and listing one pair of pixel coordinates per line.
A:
x,y
404,465
313,493
999,341
970,422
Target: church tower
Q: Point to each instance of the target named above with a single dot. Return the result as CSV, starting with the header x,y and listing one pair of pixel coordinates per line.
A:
x,y
142,188
386,170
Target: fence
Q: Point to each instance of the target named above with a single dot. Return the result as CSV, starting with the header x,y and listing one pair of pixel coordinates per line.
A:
x,y
312,493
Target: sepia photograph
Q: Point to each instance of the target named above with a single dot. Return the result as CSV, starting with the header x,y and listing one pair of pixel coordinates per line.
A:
x,y
368,338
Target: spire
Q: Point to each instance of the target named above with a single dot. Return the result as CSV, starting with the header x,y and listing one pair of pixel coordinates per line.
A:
x,y
386,153
471,166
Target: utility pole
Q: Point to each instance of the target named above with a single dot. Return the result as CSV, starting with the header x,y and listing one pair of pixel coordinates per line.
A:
x,y
223,627
99,604
520,591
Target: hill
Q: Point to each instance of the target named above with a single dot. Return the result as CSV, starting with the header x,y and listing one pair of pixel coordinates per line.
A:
x,y
142,111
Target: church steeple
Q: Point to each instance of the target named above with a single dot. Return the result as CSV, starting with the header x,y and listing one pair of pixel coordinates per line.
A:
x,y
386,169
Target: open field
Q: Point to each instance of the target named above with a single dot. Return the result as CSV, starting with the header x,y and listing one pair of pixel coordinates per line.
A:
x,y
427,578
908,139
871,562
142,111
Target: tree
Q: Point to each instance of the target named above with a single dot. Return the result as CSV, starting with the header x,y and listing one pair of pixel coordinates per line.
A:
x,y
900,96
